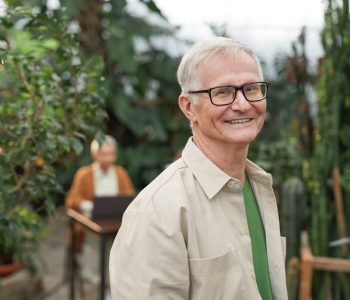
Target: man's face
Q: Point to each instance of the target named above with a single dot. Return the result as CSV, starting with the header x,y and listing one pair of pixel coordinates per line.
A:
x,y
105,156
236,123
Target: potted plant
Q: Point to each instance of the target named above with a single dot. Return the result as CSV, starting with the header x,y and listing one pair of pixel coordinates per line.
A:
x,y
51,103
23,230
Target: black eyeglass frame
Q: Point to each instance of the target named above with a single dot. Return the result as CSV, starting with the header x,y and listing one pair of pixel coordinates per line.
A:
x,y
237,88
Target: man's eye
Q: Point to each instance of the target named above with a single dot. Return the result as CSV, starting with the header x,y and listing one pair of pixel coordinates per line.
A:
x,y
252,88
221,91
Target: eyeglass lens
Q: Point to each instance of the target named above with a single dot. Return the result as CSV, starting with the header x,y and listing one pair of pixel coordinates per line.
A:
x,y
252,92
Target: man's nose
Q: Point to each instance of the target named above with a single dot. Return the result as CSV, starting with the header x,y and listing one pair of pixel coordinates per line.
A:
x,y
240,101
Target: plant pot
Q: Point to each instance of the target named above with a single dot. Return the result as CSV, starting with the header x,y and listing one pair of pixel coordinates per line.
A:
x,y
8,266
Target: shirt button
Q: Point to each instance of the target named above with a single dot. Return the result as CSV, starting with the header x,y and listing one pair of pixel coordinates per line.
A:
x,y
253,275
231,184
242,231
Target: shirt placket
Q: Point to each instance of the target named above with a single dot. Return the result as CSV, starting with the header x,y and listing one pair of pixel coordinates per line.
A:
x,y
234,214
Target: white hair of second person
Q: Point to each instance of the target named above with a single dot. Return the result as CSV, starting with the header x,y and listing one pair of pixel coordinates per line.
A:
x,y
187,76
108,140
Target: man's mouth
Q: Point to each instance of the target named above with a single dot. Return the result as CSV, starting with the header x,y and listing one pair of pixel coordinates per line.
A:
x,y
239,121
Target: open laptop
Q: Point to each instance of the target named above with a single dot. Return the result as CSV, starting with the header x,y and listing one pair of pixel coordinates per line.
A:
x,y
110,206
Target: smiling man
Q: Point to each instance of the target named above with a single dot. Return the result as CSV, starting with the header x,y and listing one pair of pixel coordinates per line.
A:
x,y
207,227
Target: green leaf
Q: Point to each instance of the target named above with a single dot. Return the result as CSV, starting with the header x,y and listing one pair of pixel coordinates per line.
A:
x,y
50,44
77,146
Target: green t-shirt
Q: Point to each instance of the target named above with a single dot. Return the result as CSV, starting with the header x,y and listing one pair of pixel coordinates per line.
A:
x,y
257,235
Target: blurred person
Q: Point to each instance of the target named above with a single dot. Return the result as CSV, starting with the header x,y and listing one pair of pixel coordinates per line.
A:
x,y
101,178
207,228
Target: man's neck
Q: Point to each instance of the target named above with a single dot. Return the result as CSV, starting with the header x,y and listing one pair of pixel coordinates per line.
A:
x,y
98,167
230,158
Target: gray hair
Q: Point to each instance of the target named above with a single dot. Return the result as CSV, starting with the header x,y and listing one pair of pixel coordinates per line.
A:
x,y
187,71
108,140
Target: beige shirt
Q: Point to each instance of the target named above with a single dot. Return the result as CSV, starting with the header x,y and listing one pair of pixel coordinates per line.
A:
x,y
186,236
106,183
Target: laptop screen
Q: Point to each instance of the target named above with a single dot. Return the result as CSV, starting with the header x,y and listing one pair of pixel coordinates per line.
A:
x,y
110,206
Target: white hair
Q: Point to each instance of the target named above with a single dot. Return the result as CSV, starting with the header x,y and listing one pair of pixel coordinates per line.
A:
x,y
187,76
108,140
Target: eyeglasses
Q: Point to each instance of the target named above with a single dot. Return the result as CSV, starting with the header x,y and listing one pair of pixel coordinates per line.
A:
x,y
225,95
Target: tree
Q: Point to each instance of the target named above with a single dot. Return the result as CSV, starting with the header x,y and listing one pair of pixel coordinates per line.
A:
x,y
51,103
140,80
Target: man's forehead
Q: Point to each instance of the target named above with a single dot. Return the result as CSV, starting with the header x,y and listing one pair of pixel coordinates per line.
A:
x,y
107,148
215,66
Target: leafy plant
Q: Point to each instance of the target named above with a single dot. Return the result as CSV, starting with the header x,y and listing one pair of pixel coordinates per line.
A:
x,y
51,103
332,143
140,51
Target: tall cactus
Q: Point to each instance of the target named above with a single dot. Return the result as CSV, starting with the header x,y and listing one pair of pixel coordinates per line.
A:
x,y
292,218
292,214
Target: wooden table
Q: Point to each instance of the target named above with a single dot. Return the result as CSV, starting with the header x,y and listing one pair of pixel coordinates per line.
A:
x,y
102,227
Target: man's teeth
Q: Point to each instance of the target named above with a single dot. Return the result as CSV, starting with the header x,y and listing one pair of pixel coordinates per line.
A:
x,y
240,121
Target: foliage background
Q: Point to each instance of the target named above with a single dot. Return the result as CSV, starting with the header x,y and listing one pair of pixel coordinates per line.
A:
x,y
332,149
141,98
51,104
302,137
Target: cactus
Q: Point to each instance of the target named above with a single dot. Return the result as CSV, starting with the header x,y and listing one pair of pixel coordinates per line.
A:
x,y
292,214
292,218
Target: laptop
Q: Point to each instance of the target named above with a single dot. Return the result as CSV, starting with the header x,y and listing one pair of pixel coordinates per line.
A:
x,y
110,206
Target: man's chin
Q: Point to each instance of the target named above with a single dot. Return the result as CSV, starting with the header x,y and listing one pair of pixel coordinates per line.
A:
x,y
241,140
104,168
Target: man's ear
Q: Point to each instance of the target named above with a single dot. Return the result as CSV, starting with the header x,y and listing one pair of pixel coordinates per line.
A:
x,y
94,155
187,107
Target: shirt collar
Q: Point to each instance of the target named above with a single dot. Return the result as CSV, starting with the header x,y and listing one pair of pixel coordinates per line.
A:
x,y
99,172
210,177
258,174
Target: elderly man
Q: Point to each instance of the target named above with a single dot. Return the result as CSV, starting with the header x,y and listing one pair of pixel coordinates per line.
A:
x,y
101,178
207,228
